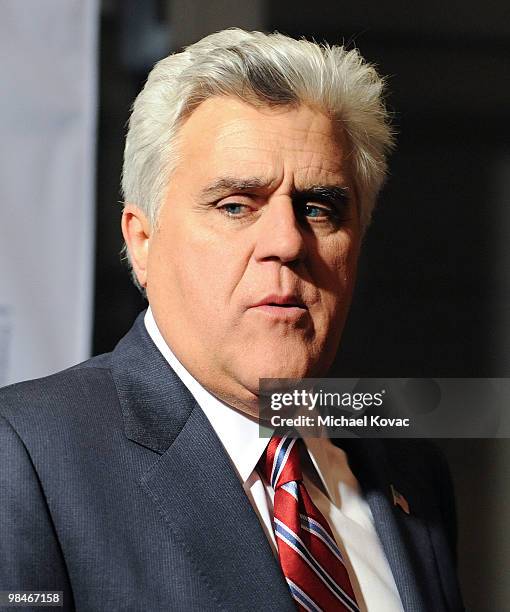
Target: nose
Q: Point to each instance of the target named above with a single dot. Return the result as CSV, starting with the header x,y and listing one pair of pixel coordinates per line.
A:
x,y
280,236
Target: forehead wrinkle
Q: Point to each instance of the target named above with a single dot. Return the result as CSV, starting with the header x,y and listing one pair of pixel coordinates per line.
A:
x,y
241,124
337,173
269,147
298,140
317,161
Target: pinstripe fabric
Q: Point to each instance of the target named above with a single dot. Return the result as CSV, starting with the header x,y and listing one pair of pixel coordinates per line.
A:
x,y
310,559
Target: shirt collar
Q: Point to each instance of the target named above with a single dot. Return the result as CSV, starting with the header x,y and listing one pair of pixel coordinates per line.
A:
x,y
237,432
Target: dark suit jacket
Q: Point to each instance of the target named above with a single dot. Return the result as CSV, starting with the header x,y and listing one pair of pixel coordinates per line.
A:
x,y
115,489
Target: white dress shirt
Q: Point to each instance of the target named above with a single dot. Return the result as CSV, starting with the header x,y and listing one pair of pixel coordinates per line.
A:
x,y
328,480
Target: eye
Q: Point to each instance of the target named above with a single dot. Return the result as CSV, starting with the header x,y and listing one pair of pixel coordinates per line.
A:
x,y
316,212
234,209
313,211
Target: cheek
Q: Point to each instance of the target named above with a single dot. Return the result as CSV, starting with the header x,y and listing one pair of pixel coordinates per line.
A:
x,y
338,259
337,277
206,272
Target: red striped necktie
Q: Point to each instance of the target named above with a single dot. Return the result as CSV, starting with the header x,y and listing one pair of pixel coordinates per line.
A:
x,y
311,562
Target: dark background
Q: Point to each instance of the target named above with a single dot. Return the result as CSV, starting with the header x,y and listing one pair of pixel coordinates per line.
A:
x,y
433,296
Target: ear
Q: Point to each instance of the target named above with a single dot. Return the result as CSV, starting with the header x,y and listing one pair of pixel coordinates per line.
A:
x,y
136,231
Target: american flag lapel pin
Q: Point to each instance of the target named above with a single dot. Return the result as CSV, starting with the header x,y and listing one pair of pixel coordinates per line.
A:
x,y
399,499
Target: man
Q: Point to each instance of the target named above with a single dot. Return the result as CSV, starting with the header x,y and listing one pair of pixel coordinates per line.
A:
x,y
138,480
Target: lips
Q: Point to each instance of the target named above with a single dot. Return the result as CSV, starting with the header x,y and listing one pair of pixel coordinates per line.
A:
x,y
281,301
282,310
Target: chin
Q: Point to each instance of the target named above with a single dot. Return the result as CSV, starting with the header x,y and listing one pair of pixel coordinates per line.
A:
x,y
277,359
275,368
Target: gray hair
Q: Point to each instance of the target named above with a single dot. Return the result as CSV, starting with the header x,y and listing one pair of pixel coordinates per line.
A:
x,y
261,69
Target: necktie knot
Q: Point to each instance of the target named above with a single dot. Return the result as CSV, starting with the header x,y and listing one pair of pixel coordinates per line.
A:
x,y
281,462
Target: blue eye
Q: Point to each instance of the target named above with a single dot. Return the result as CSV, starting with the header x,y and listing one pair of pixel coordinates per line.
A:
x,y
315,211
233,209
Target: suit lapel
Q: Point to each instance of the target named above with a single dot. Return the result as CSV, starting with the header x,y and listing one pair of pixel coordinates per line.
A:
x,y
193,483
405,537
202,500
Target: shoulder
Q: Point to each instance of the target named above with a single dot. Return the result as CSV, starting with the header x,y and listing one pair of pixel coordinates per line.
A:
x,y
64,397
77,375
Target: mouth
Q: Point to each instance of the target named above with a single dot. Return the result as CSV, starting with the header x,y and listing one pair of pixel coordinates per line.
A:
x,y
287,307
281,301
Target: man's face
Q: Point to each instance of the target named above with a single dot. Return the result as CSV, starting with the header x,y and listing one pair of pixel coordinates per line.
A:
x,y
251,268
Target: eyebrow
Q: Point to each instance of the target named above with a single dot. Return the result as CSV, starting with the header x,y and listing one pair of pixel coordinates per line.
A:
x,y
226,184
338,194
331,194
